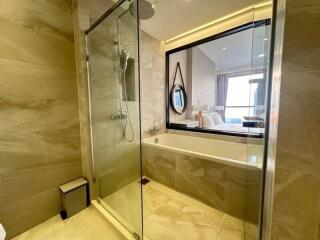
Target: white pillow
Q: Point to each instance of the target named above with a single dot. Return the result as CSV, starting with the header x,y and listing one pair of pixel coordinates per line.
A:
x,y
208,121
2,233
217,118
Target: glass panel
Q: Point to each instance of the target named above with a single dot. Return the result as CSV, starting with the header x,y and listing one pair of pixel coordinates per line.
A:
x,y
255,146
219,83
115,115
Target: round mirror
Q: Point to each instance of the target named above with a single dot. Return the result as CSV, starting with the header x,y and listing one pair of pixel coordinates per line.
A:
x,y
178,99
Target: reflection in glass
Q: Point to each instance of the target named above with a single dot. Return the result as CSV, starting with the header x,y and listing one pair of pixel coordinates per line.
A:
x,y
115,118
225,92
242,90
178,99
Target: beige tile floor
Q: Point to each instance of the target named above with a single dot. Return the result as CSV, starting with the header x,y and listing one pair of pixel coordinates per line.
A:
x,y
86,225
170,215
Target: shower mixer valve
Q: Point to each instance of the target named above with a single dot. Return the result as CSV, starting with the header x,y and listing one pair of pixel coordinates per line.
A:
x,y
121,116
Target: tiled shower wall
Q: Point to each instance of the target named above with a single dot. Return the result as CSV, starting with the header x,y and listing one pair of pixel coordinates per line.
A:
x,y
152,67
152,80
294,152
85,12
39,122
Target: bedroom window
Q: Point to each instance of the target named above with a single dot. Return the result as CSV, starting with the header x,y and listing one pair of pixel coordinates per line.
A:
x,y
241,97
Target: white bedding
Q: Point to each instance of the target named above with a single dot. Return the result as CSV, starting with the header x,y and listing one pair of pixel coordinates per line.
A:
x,y
210,121
237,128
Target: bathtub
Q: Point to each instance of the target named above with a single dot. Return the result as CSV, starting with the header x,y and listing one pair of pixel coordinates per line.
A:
x,y
249,156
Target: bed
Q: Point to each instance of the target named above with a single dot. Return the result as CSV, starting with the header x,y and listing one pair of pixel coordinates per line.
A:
x,y
213,121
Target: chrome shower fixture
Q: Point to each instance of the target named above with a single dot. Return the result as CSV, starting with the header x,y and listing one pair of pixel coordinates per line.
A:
x,y
124,57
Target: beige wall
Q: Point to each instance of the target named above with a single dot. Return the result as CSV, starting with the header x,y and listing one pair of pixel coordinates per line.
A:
x,y
40,143
81,19
182,58
203,79
152,80
199,77
294,152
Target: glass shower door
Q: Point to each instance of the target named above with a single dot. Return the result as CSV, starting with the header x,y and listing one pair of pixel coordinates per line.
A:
x,y
255,146
113,64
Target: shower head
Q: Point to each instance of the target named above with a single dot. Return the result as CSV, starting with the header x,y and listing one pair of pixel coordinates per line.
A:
x,y
146,9
124,57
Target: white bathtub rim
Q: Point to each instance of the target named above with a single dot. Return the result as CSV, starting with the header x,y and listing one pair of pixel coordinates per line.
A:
x,y
222,160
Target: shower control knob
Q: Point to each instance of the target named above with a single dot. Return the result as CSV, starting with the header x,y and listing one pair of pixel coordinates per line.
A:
x,y
121,116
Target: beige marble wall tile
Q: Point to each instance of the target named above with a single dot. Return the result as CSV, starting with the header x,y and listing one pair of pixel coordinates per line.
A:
x,y
37,132
295,129
253,189
235,191
27,45
40,141
26,183
32,203
300,189
50,17
152,80
202,179
97,8
159,165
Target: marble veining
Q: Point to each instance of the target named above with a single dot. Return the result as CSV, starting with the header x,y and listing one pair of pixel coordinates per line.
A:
x,y
51,17
152,77
96,228
169,214
40,138
295,129
233,190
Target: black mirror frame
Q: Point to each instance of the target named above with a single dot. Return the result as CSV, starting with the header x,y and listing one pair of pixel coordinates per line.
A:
x,y
184,96
169,125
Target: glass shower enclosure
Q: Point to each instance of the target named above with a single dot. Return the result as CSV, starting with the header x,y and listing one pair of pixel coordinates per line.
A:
x,y
113,73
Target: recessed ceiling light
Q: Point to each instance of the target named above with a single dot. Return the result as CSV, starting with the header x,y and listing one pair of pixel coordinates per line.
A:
x,y
261,55
224,48
266,39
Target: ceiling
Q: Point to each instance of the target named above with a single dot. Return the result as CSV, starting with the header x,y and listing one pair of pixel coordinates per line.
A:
x,y
173,17
238,51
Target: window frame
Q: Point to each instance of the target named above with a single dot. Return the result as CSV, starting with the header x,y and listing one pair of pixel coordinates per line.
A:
x,y
172,126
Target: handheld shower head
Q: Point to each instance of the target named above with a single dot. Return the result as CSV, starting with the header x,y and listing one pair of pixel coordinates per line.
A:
x,y
124,57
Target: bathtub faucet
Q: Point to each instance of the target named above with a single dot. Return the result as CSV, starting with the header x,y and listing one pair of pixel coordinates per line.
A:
x,y
153,130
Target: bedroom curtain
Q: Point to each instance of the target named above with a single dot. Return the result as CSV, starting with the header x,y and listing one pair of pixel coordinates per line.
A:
x,y
222,90
261,94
